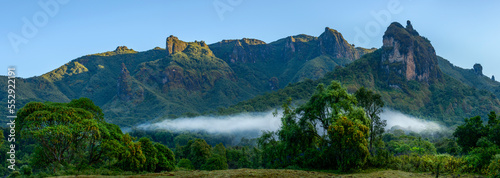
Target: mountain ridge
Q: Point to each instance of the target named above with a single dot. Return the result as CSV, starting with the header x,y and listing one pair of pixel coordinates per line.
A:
x,y
187,77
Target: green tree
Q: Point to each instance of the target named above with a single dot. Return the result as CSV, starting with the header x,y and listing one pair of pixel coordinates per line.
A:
x,y
220,150
216,162
349,144
372,104
493,128
131,158
469,133
199,153
185,163
151,154
63,130
166,158
1,138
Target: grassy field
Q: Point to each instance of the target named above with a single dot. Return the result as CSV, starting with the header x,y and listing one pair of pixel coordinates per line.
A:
x,y
284,173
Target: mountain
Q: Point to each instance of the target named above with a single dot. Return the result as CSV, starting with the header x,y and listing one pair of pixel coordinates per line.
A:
x,y
186,77
407,73
472,77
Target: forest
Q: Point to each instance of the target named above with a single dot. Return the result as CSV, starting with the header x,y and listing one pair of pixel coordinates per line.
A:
x,y
334,130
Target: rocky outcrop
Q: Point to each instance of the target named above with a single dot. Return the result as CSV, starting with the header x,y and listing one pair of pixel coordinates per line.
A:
x,y
175,45
478,69
493,78
408,56
245,50
331,42
127,90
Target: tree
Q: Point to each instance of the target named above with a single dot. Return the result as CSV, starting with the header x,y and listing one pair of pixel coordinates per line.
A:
x,y
185,163
150,152
199,153
63,130
469,133
132,158
493,128
216,162
349,144
298,143
1,138
220,150
166,158
372,104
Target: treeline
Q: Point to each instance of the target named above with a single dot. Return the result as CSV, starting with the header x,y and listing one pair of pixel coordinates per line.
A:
x,y
73,139
333,130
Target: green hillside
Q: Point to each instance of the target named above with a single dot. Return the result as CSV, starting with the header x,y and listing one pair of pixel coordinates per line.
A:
x,y
186,77
435,95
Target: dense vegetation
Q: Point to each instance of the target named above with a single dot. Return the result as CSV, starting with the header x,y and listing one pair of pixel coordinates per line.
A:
x,y
331,131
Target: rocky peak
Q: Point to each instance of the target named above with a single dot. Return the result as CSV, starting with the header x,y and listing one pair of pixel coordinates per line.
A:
x,y
175,45
123,50
478,69
331,42
408,55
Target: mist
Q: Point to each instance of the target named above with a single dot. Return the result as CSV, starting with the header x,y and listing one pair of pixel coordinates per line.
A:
x,y
251,125
408,123
239,123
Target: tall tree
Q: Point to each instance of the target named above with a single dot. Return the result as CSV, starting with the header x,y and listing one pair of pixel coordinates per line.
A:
x,y
349,144
493,128
150,152
61,130
166,158
372,104
199,153
469,133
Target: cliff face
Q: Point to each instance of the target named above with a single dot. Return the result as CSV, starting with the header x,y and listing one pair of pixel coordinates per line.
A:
x,y
408,56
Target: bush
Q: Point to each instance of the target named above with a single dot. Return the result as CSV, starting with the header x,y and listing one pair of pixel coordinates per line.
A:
x,y
26,170
216,162
15,174
493,169
185,163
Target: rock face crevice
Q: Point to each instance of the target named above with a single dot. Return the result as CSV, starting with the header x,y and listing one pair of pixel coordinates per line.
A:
x,y
408,56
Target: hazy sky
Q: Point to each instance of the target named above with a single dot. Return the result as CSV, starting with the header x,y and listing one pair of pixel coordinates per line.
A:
x,y
38,38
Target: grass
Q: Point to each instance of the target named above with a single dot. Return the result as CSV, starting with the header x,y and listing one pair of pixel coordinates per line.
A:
x,y
284,173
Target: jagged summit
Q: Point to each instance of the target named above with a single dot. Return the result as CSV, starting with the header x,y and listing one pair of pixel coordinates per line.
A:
x,y
332,42
408,56
174,45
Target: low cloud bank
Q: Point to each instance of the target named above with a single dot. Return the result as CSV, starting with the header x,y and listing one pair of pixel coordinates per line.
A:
x,y
255,123
248,122
408,123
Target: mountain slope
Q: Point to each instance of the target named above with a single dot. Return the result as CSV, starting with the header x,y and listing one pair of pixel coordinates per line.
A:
x,y
470,77
186,77
405,72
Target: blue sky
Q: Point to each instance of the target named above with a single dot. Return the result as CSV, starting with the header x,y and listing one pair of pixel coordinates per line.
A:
x,y
464,32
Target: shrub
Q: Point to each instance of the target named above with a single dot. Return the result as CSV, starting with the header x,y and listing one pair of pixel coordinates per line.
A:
x,y
15,174
26,170
185,163
216,162
493,169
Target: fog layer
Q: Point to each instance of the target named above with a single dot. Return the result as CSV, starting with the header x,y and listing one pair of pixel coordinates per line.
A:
x,y
408,123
